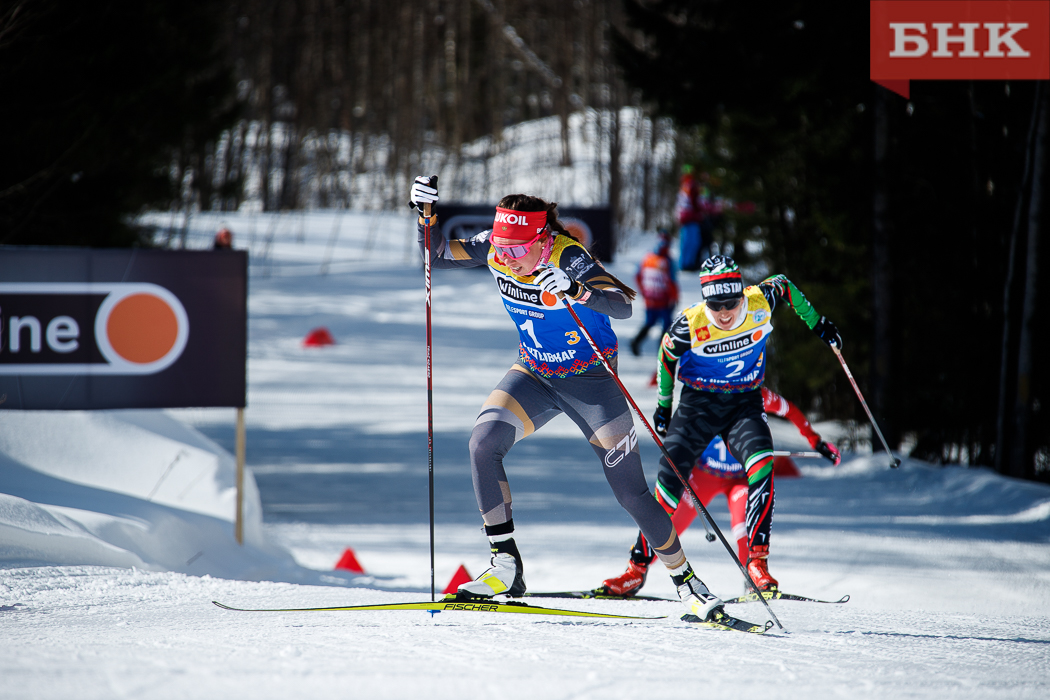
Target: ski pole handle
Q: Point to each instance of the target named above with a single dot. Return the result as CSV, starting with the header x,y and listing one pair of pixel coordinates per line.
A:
x,y
427,207
894,462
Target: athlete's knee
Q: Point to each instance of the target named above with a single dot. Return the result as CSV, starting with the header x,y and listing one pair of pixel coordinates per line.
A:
x,y
492,438
633,501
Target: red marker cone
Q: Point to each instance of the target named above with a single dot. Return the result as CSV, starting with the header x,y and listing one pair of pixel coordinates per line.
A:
x,y
318,337
348,562
459,578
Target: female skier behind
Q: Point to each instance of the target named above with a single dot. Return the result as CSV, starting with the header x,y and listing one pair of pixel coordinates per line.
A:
x,y
720,343
538,269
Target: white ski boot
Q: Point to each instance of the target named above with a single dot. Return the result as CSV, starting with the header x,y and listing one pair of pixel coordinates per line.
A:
x,y
695,596
504,576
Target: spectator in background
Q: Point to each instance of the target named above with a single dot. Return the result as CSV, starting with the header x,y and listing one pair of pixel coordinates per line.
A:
x,y
711,209
223,240
690,211
656,280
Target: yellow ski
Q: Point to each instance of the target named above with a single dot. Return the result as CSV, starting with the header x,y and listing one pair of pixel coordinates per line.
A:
x,y
451,604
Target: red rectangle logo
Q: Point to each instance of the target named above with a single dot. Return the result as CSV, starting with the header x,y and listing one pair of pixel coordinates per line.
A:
x,y
942,40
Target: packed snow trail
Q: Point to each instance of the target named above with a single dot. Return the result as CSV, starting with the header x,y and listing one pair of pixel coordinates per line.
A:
x,y
98,633
948,569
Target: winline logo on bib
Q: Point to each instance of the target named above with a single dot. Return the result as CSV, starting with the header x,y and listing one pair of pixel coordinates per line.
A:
x,y
948,40
90,328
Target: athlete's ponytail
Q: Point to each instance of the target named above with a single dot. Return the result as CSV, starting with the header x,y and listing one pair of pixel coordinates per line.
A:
x,y
524,202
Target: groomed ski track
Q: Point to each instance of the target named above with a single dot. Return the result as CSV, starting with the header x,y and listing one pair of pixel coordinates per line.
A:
x,y
948,569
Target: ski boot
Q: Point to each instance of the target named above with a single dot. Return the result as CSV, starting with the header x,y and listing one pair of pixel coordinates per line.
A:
x,y
694,594
758,570
629,582
504,576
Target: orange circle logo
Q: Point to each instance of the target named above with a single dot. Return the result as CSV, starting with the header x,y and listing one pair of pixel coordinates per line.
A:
x,y
756,336
142,328
548,299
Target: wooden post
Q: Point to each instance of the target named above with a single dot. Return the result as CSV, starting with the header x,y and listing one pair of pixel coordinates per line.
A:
x,y
238,524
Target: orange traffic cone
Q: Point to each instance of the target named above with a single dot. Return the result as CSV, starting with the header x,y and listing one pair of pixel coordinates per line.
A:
x,y
318,337
459,578
348,562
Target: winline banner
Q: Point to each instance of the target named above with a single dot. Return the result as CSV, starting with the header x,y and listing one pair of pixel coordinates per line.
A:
x,y
99,329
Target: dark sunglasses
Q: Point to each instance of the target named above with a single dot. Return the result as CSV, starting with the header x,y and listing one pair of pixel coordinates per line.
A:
x,y
720,305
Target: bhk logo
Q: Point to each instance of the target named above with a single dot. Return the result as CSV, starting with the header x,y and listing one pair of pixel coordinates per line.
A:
x,y
90,328
948,40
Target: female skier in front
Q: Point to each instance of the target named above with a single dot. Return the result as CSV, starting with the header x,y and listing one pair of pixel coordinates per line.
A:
x,y
538,269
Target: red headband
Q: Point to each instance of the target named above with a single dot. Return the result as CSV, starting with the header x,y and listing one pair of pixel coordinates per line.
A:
x,y
521,226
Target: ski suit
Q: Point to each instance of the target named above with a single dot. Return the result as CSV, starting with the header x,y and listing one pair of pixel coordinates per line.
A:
x,y
656,281
722,372
557,372
717,472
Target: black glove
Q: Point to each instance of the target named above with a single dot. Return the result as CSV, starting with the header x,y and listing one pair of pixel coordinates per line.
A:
x,y
661,419
828,333
424,191
828,450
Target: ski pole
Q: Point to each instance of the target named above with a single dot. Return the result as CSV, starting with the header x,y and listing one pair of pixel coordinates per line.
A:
x,y
430,383
696,499
894,462
708,535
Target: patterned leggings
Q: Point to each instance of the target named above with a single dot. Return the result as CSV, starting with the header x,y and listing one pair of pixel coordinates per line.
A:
x,y
741,421
523,402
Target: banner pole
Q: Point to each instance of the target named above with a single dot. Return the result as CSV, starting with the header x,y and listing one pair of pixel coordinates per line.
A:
x,y
238,524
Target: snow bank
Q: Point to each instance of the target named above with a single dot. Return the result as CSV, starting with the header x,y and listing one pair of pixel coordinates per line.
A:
x,y
127,489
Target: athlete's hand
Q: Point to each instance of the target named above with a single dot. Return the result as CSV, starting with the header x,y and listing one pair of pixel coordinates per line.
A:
x,y
553,280
424,191
828,333
661,419
828,450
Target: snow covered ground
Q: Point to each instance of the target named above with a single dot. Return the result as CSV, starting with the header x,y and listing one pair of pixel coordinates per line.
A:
x,y
116,528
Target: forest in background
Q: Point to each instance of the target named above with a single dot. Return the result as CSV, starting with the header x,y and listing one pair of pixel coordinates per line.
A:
x,y
913,224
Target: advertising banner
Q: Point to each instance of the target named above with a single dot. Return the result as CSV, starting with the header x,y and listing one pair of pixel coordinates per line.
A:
x,y
591,226
122,328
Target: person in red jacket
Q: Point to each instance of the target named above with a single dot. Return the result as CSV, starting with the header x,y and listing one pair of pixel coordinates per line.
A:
x,y
718,472
656,280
